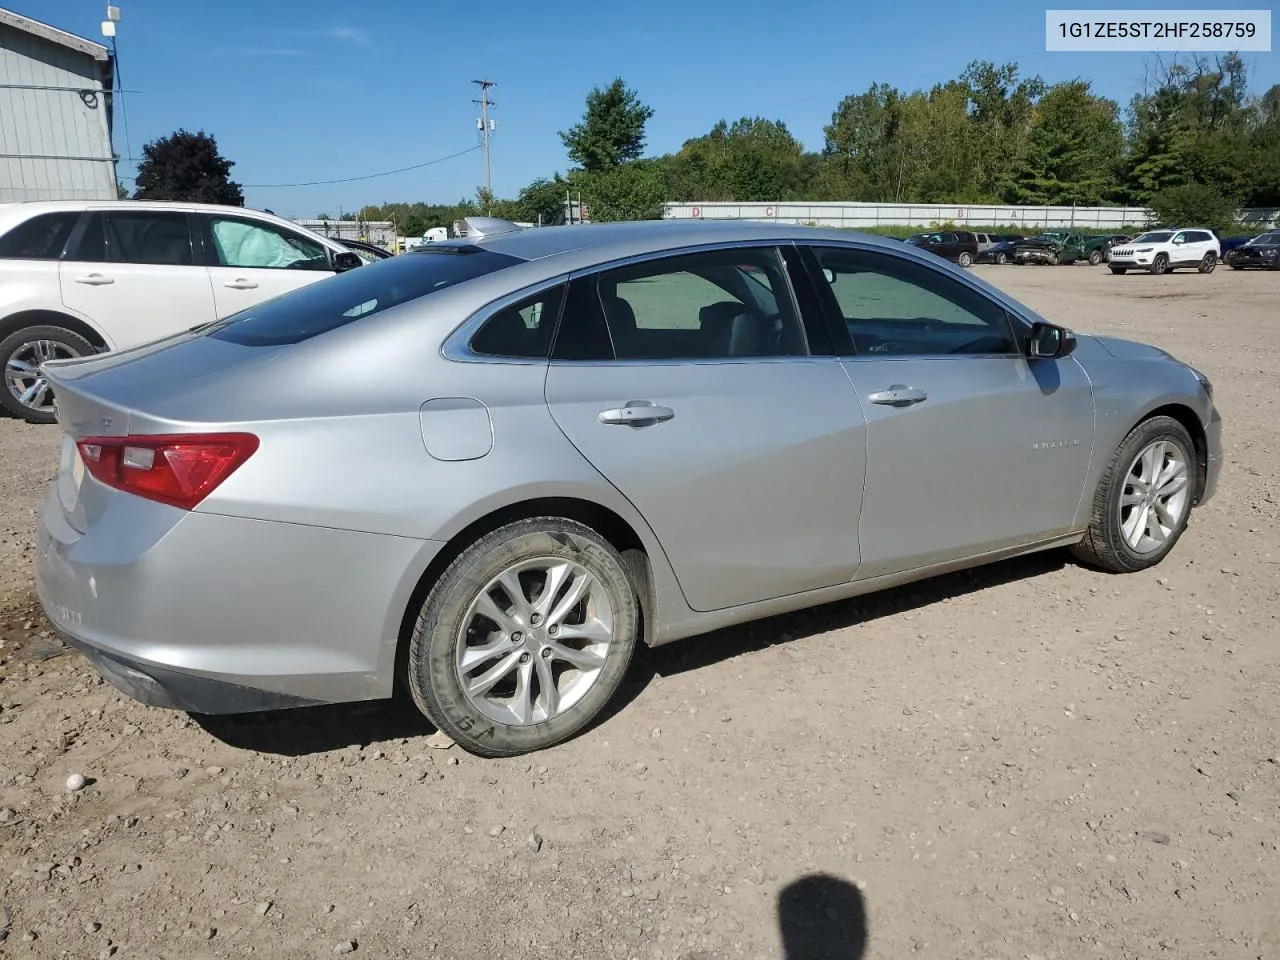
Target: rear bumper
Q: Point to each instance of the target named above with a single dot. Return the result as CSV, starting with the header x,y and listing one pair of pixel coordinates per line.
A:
x,y
160,687
216,614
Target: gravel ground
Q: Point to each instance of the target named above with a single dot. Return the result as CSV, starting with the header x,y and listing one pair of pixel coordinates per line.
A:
x,y
1031,760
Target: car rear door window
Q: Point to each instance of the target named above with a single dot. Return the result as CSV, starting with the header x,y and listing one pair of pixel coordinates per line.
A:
x,y
156,238
241,242
40,238
723,304
320,307
892,306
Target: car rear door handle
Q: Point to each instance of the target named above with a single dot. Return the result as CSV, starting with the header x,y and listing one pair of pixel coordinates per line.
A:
x,y
95,279
899,395
637,413
241,284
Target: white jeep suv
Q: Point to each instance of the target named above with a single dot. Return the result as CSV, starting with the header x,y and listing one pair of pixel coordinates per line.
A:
x,y
79,277
1161,251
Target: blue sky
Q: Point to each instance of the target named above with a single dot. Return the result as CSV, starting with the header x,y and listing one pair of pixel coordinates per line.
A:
x,y
303,90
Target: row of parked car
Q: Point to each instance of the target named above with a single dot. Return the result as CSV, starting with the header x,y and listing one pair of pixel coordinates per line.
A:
x,y
1155,251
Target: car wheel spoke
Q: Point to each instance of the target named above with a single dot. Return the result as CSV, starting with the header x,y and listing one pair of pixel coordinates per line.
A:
x,y
548,703
582,659
522,701
489,609
579,587
473,656
486,681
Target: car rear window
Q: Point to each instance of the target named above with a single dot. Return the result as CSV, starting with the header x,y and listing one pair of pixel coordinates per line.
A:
x,y
336,301
40,238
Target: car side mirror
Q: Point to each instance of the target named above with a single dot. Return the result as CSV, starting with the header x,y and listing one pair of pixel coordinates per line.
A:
x,y
1049,341
829,275
346,260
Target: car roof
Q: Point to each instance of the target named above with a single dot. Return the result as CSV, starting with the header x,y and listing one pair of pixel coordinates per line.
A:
x,y
14,213
581,245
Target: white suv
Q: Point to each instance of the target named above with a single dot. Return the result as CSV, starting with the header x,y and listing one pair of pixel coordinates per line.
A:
x,y
1161,251
79,278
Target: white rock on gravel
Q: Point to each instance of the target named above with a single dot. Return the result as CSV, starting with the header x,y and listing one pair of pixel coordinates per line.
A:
x,y
345,946
75,782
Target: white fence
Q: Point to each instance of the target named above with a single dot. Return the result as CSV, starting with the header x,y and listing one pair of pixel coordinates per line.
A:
x,y
855,215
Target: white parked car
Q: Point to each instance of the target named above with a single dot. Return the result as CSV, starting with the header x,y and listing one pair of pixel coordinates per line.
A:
x,y
1162,251
78,277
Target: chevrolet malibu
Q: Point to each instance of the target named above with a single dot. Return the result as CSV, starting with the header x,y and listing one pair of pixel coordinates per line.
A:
x,y
488,469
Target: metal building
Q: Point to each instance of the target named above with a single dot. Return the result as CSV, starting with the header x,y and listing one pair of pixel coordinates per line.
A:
x,y
55,114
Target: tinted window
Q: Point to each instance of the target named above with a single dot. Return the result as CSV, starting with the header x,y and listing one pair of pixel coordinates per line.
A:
x,y
521,330
40,238
1160,236
152,238
320,307
1267,239
895,307
723,304
239,242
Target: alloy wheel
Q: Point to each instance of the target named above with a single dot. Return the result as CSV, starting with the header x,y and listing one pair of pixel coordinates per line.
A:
x,y
22,373
534,641
1156,496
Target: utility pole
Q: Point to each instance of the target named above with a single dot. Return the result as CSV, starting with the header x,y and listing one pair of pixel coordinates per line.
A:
x,y
486,127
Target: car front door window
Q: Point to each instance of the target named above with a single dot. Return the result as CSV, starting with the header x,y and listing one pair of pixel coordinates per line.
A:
x,y
262,246
892,306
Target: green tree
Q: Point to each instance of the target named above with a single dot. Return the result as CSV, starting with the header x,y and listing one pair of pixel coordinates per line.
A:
x,y
186,166
1072,149
612,130
1194,204
634,191
750,159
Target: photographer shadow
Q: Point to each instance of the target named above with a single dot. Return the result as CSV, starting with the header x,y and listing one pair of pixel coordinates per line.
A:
x,y
822,917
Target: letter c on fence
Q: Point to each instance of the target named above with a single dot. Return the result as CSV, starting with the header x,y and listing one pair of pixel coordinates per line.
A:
x,y
768,211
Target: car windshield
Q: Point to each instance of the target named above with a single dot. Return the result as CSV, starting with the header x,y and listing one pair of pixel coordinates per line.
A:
x,y
320,307
1266,240
1160,236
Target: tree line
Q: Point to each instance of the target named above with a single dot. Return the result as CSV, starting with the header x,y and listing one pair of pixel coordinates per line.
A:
x,y
1195,145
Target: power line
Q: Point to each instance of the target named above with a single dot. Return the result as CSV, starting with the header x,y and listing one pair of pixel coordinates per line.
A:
x,y
367,176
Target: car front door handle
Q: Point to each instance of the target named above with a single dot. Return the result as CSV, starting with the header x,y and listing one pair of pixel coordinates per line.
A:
x,y
95,279
240,284
899,395
637,413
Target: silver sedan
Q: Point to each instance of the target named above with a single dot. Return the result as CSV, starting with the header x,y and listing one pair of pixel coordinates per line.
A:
x,y
491,467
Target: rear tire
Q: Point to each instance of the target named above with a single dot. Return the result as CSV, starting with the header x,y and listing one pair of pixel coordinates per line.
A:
x,y
965,259
1139,510
592,602
1208,263
23,392
1095,257
1119,270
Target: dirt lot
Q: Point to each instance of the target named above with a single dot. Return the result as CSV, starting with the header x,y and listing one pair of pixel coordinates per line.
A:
x,y
1031,760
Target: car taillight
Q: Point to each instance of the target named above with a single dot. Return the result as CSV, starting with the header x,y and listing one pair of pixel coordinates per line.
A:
x,y
177,469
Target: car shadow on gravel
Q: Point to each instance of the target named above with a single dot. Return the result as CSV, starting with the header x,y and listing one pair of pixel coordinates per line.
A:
x,y
307,730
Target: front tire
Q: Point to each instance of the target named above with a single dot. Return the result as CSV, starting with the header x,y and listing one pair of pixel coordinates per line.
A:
x,y
1143,503
524,638
25,393
1208,263
1160,265
1095,257
1001,258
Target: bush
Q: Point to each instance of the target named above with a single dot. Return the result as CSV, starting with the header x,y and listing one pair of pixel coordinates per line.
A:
x,y
1194,205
